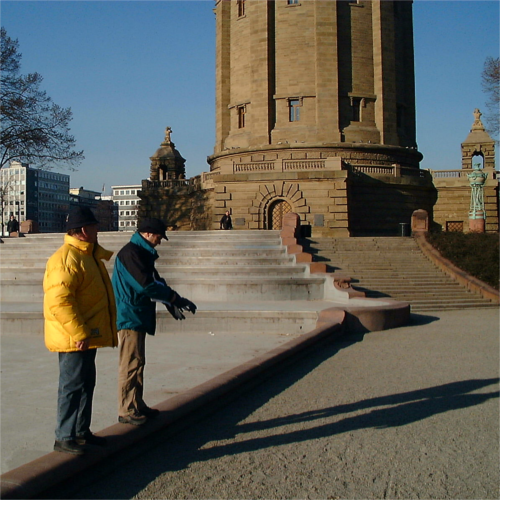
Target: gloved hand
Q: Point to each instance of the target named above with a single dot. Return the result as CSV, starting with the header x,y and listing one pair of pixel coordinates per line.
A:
x,y
176,312
184,304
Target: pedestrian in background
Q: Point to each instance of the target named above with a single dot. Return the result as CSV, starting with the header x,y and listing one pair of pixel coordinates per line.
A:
x,y
226,221
79,318
12,225
138,286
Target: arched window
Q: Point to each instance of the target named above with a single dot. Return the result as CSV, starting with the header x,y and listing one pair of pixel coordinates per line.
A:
x,y
477,159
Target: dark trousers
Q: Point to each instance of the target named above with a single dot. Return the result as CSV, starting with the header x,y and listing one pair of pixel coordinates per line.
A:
x,y
76,384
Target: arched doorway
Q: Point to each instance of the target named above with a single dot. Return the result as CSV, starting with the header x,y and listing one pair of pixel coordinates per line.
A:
x,y
275,214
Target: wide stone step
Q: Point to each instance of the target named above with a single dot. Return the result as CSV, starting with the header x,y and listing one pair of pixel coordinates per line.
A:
x,y
32,266
176,272
292,318
437,307
248,288
171,253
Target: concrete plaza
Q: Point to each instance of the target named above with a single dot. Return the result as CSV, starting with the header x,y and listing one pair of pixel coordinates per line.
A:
x,y
406,413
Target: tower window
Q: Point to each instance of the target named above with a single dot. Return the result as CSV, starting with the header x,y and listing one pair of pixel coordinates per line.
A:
x,y
294,110
241,116
240,8
356,104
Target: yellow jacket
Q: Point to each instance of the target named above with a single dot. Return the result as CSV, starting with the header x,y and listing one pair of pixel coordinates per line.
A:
x,y
78,297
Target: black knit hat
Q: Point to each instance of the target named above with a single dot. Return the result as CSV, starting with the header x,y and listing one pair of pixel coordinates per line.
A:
x,y
80,217
153,226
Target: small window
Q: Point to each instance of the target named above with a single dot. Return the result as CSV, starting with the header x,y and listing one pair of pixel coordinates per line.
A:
x,y
241,116
240,8
356,109
294,110
455,226
292,2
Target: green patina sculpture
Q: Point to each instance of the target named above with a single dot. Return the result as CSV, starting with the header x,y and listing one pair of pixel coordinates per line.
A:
x,y
477,180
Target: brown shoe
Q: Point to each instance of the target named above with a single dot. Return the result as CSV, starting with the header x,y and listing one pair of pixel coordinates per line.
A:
x,y
133,420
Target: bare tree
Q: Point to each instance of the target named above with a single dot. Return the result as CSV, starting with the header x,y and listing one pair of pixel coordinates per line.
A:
x,y
34,130
490,85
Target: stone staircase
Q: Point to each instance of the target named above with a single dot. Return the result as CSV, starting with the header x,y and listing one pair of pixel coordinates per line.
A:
x,y
240,281
394,267
212,266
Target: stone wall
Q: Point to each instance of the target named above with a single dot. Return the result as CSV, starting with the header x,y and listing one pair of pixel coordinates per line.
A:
x,y
451,211
320,199
379,204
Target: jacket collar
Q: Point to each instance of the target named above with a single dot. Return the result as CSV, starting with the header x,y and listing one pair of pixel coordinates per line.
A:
x,y
143,243
88,248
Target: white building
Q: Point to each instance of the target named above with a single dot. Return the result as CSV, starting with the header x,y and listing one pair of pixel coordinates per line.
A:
x,y
126,199
33,194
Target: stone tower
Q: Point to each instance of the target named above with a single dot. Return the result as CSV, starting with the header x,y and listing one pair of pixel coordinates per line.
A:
x,y
313,97
167,163
478,143
314,72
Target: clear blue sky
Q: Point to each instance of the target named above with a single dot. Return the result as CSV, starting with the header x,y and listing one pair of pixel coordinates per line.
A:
x,y
128,69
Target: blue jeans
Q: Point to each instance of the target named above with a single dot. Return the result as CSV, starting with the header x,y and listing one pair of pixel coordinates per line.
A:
x,y
76,384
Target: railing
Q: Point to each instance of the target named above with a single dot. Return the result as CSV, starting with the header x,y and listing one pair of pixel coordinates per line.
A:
x,y
304,165
462,174
254,167
393,170
374,169
176,184
280,166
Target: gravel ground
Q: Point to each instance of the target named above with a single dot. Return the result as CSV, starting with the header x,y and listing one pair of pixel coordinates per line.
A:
x,y
405,414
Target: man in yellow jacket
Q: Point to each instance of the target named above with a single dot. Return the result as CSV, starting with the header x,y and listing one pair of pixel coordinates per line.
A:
x,y
79,317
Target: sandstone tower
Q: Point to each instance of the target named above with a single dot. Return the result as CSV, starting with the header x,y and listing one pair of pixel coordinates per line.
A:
x,y
315,114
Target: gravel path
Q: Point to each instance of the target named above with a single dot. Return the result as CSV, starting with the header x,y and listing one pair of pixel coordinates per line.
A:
x,y
409,413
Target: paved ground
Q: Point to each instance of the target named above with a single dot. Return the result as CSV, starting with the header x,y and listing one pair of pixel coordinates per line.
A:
x,y
408,413
175,363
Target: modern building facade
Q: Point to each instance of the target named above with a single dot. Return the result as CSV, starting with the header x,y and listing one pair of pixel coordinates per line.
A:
x,y
38,195
125,198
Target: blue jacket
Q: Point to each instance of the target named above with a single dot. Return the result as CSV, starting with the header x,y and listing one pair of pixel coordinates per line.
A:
x,y
135,284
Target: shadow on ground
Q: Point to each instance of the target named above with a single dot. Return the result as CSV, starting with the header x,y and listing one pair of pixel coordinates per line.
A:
x,y
128,474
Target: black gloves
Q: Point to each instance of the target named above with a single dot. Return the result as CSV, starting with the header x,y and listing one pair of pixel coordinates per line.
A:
x,y
176,312
179,304
184,304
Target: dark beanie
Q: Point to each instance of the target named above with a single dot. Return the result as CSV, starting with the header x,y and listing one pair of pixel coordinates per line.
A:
x,y
80,217
153,226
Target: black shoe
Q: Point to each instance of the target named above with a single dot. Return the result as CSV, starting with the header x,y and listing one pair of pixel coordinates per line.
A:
x,y
149,412
90,438
133,420
69,447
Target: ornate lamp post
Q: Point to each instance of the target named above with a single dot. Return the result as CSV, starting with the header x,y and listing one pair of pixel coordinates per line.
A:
x,y
477,214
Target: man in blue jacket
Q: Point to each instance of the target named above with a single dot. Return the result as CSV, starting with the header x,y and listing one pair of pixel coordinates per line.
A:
x,y
137,286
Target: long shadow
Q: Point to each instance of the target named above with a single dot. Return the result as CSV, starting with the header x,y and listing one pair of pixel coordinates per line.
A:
x,y
179,451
